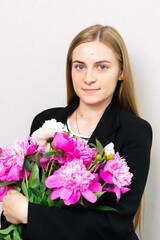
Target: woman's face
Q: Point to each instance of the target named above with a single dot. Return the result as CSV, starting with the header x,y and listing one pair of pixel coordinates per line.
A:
x,y
95,73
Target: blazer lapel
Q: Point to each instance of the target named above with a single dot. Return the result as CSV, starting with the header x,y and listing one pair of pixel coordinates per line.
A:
x,y
108,124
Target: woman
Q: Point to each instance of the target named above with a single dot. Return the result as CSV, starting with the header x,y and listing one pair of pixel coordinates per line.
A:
x,y
102,105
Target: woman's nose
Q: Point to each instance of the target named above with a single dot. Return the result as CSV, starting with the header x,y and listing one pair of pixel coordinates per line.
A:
x,y
89,77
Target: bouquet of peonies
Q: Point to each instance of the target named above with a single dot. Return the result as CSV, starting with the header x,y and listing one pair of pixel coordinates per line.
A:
x,y
54,168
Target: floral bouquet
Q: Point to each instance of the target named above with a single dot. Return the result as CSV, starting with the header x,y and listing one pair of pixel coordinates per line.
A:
x,y
54,168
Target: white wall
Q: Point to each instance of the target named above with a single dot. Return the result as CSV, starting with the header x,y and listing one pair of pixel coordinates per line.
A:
x,y
34,38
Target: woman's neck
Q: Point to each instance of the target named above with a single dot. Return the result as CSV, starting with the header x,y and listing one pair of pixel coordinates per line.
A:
x,y
85,118
90,112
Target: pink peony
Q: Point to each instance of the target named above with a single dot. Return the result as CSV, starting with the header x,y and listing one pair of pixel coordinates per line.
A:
x,y
0,151
65,143
73,148
12,159
71,180
83,151
116,172
46,132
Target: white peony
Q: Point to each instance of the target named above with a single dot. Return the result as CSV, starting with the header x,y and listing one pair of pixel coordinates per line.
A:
x,y
109,149
45,132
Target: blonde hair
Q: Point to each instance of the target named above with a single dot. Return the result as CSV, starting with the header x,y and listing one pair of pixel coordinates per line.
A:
x,y
125,89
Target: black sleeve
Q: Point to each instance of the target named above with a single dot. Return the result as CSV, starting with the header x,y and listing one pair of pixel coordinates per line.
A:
x,y
59,224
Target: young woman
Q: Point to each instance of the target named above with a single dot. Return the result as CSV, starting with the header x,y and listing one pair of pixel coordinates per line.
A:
x,y
102,105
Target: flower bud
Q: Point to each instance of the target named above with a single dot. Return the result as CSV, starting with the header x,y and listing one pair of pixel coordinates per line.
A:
x,y
110,156
98,157
109,149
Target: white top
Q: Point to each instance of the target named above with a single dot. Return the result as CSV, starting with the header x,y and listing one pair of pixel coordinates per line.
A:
x,y
68,128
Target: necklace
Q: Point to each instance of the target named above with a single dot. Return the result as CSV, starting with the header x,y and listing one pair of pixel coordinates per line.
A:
x,y
78,126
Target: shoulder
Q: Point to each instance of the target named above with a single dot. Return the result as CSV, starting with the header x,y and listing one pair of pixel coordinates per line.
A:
x,y
47,114
135,128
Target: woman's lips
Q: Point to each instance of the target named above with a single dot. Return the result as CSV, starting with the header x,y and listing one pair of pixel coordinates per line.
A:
x,y
91,90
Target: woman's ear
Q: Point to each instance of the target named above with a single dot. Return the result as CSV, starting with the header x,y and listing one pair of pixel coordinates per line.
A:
x,y
120,76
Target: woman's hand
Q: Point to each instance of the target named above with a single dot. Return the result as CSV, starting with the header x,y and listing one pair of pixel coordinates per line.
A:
x,y
15,207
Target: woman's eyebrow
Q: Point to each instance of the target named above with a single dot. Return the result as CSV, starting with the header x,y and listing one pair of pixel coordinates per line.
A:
x,y
101,61
77,61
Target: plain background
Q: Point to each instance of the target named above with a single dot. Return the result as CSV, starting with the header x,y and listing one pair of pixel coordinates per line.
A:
x,y
34,38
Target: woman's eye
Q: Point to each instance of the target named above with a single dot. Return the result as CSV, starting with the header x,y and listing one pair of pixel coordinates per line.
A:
x,y
102,67
80,67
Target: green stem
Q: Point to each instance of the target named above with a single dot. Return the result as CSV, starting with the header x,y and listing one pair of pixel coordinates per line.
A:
x,y
43,192
51,168
47,166
52,164
26,177
92,167
104,184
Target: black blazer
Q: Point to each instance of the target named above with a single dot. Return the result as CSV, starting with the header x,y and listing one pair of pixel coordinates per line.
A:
x,y
132,137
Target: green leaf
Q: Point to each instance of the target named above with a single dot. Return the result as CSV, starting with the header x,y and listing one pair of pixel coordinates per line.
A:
x,y
24,188
99,147
48,154
105,208
17,188
34,177
60,156
43,176
93,145
19,228
16,235
44,201
50,201
36,192
30,195
67,132
81,201
2,236
99,194
48,191
8,238
37,158
96,163
42,186
5,183
27,164
56,203
8,230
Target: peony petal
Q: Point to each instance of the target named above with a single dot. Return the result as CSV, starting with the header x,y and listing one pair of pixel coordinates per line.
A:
x,y
66,193
31,149
95,187
3,192
117,192
90,196
53,181
97,167
62,141
56,193
73,198
109,165
106,176
125,189
14,174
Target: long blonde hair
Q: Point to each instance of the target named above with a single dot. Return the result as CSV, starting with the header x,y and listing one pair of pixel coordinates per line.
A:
x,y
125,89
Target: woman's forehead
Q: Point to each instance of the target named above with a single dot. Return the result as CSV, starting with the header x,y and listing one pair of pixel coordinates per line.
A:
x,y
95,51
